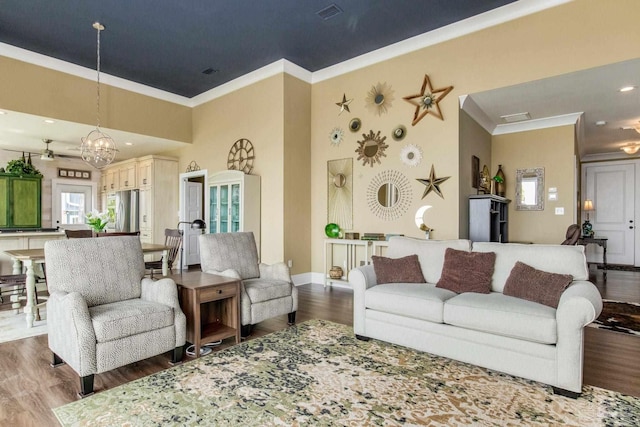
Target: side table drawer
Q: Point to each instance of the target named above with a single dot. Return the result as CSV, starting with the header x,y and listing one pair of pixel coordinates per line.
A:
x,y
218,292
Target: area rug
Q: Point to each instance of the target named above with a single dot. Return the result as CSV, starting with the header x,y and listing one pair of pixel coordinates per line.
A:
x,y
318,374
14,326
619,316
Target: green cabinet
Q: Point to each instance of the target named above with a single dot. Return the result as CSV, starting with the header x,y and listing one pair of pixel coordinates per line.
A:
x,y
20,201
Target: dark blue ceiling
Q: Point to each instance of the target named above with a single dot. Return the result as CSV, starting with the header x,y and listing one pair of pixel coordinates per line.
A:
x,y
167,44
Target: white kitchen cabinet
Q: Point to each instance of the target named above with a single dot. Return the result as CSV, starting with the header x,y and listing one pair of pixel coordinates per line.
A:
x,y
234,203
127,175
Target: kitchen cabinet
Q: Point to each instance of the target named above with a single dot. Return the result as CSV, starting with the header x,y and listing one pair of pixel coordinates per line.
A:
x,y
20,201
127,175
234,203
145,173
488,218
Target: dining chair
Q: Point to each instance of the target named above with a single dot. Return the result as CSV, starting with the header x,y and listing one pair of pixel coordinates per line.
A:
x,y
78,234
117,233
172,239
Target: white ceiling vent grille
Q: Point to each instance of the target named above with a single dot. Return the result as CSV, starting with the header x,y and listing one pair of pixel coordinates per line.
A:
x,y
518,117
329,12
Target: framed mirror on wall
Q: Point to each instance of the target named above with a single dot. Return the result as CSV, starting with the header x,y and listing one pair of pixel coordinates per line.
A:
x,y
530,189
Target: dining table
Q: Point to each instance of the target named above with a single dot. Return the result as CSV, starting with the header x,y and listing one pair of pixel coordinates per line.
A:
x,y
25,260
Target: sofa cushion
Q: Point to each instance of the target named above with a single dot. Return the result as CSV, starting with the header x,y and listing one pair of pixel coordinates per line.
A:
x,y
502,315
536,285
467,271
420,301
397,270
562,259
260,290
130,317
430,253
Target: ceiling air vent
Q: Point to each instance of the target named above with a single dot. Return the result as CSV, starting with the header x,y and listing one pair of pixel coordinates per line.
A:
x,y
518,117
209,71
329,12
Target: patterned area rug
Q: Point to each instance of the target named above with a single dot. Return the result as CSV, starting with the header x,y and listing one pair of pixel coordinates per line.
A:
x,y
14,326
317,373
619,316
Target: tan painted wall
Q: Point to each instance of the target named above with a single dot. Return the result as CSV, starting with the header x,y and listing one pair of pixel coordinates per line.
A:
x,y
554,150
474,141
44,92
256,113
548,43
297,162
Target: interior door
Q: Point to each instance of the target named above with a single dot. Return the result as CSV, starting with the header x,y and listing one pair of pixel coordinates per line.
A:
x,y
193,211
71,202
611,187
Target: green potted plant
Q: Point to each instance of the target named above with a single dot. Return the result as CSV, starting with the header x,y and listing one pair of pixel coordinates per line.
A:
x,y
22,168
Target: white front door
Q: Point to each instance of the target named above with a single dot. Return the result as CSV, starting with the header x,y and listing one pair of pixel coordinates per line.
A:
x,y
193,206
70,203
611,187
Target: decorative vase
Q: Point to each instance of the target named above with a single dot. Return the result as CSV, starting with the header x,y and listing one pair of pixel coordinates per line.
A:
x,y
501,186
335,272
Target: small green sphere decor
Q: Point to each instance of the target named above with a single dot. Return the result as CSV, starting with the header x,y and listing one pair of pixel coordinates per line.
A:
x,y
332,230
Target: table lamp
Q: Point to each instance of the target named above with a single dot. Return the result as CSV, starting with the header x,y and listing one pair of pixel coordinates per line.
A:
x,y
587,228
195,224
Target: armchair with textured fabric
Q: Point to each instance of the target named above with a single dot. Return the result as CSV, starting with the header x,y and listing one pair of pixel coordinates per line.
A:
x,y
102,312
266,291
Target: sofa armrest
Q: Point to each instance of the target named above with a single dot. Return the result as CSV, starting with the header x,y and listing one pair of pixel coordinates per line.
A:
x,y
71,333
580,304
277,271
361,279
165,291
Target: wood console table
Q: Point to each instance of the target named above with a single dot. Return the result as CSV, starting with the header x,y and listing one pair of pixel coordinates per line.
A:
x,y
600,241
212,306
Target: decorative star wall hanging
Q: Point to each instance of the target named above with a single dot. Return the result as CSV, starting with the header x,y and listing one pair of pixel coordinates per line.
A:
x,y
427,100
344,104
432,183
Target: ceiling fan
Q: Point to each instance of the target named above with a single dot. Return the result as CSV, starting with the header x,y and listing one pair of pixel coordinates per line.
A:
x,y
47,154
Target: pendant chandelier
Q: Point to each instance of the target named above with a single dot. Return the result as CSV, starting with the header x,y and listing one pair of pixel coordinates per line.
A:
x,y
98,149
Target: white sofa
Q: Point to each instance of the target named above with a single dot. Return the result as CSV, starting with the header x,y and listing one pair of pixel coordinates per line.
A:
x,y
496,331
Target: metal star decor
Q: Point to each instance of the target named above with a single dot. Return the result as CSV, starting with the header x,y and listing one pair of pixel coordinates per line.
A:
x,y
344,104
432,183
427,100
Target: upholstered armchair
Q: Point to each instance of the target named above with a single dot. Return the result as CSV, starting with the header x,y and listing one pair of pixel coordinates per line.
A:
x,y
266,290
102,312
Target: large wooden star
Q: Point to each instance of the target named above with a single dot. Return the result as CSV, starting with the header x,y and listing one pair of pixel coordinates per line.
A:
x,y
427,100
432,183
344,104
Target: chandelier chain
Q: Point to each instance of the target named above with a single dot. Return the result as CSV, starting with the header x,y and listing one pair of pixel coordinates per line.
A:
x,y
98,81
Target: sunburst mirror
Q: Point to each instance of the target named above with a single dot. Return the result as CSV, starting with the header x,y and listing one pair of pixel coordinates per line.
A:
x,y
389,195
371,148
340,193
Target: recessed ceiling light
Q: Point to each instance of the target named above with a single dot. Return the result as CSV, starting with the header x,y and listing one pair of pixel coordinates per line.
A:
x,y
128,143
627,88
2,113
631,149
49,121
601,123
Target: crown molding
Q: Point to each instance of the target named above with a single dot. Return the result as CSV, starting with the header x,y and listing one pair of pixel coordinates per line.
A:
x,y
487,19
469,106
535,124
87,73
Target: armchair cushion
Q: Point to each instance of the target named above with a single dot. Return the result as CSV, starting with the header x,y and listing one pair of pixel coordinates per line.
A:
x,y
260,290
126,318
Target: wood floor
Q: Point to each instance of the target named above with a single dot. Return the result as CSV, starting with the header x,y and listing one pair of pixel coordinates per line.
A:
x,y
29,387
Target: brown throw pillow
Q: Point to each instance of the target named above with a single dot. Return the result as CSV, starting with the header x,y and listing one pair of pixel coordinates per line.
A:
x,y
535,285
467,271
398,270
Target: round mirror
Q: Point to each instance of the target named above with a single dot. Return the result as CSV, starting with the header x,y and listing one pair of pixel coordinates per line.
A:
x,y
370,149
339,180
354,125
379,99
399,133
388,195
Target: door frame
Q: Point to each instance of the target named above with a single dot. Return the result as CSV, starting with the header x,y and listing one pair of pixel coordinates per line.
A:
x,y
184,178
79,182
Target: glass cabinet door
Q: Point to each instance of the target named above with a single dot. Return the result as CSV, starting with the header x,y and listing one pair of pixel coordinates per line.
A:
x,y
213,209
224,208
235,207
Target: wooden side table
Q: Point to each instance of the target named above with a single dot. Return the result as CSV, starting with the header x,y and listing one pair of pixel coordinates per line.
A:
x,y
212,306
600,241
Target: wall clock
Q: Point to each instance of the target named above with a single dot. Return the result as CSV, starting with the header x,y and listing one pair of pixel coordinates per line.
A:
x,y
241,156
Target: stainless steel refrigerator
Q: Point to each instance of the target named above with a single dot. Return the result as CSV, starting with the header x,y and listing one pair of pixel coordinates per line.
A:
x,y
127,203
